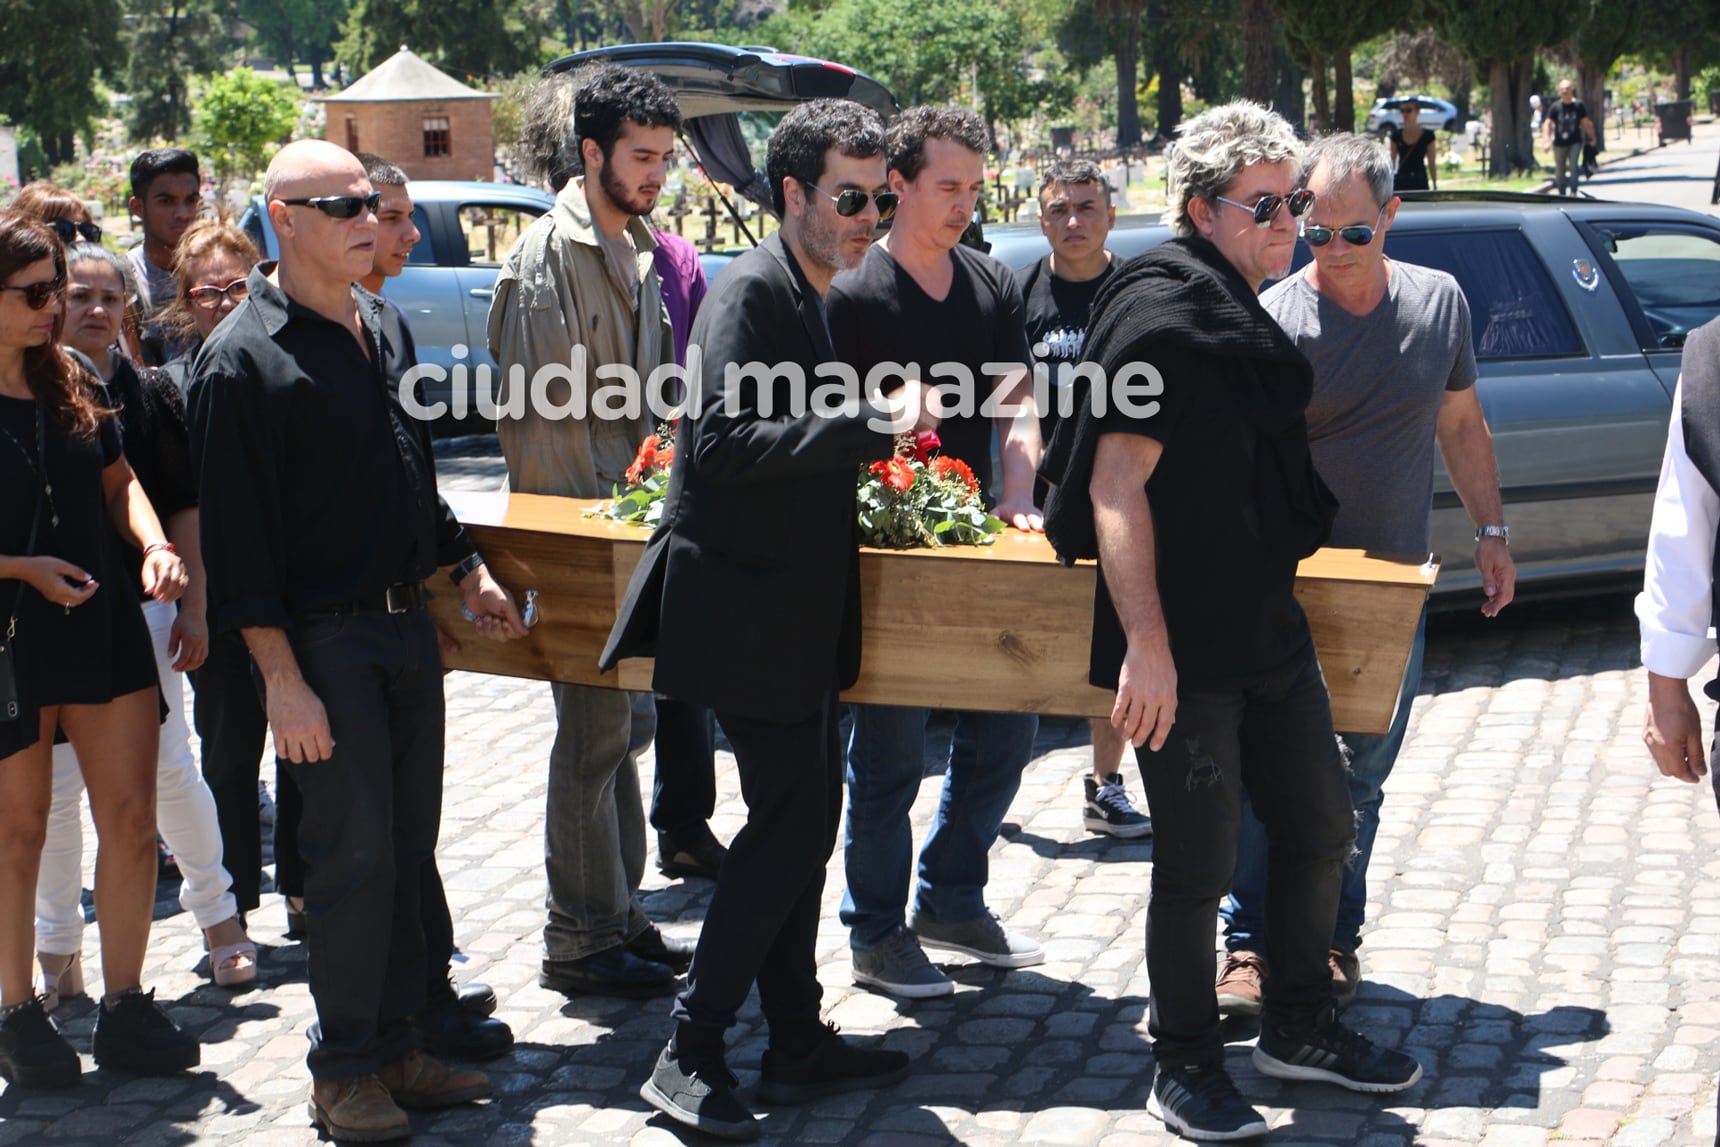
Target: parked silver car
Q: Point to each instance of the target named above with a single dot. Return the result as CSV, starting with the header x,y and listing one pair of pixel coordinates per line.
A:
x,y
466,231
1579,309
1436,114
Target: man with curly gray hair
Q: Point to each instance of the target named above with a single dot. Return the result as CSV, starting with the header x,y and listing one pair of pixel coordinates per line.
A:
x,y
1199,506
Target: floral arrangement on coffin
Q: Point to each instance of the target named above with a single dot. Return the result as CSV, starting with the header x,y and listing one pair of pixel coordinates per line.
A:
x,y
916,499
647,482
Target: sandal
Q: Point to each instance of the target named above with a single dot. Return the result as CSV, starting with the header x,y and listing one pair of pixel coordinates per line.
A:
x,y
231,964
68,981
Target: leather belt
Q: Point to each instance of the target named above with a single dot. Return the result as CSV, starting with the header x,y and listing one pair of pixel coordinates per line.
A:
x,y
400,598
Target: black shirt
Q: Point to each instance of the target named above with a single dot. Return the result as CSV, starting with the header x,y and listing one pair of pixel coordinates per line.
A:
x,y
1056,315
1225,597
879,314
157,444
1568,117
311,493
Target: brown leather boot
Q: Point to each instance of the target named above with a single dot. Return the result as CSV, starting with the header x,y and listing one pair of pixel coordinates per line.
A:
x,y
357,1109
416,1080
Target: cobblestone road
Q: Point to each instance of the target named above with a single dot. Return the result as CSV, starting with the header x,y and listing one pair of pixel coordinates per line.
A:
x,y
1544,933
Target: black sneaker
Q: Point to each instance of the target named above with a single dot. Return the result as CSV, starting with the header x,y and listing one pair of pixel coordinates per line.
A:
x,y
1108,810
701,1096
134,1035
1332,1053
1203,1103
832,1067
33,1053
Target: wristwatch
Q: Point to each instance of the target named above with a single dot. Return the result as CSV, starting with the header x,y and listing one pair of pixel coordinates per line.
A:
x,y
1503,533
460,572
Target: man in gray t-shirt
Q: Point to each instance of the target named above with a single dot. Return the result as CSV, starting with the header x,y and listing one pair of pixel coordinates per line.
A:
x,y
1394,373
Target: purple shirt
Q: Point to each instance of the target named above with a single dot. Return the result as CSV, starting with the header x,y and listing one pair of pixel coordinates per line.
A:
x,y
677,262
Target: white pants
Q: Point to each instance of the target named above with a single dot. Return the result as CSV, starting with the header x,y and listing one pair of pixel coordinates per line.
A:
x,y
184,812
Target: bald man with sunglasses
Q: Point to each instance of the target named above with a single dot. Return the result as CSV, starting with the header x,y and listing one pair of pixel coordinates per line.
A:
x,y
1394,374
320,524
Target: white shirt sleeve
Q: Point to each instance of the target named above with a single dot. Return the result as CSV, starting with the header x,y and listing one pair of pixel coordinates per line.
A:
x,y
1675,605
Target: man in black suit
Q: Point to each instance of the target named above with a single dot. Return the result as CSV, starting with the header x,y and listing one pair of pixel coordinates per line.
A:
x,y
748,595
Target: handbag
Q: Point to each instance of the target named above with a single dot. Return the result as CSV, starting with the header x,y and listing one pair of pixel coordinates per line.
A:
x,y
9,707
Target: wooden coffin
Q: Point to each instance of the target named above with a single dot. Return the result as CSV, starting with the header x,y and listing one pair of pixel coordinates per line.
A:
x,y
1001,627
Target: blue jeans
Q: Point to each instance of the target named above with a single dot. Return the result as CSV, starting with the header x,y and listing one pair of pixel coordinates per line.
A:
x,y
1371,758
886,761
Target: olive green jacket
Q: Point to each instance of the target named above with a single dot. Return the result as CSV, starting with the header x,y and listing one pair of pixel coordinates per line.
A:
x,y
558,292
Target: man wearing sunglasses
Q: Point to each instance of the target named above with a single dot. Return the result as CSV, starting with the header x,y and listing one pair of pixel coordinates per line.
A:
x,y
1394,375
320,522
1199,505
703,590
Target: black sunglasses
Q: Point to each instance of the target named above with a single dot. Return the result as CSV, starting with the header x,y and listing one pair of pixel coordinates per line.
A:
x,y
338,206
853,201
39,295
1266,207
68,231
1356,235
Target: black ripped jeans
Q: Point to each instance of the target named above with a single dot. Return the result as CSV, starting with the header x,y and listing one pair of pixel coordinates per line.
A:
x,y
1274,737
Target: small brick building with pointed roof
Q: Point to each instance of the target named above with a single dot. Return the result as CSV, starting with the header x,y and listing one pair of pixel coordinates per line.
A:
x,y
425,121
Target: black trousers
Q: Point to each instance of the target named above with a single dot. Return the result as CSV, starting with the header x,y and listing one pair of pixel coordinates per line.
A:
x,y
762,924
230,722
371,814
438,927
1275,738
684,790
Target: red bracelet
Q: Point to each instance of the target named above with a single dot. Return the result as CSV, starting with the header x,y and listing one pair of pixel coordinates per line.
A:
x,y
153,546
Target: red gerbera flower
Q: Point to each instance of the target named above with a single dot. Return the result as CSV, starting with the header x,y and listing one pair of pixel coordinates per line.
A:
x,y
895,473
946,467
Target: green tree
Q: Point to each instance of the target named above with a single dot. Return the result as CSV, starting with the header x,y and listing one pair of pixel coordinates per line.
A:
x,y
301,31
1501,37
1091,31
1607,32
1330,29
473,39
931,53
240,117
171,42
51,52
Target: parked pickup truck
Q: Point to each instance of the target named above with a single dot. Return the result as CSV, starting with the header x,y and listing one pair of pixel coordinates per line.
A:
x,y
1580,309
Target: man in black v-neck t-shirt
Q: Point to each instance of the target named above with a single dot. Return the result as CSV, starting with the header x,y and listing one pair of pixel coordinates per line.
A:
x,y
945,312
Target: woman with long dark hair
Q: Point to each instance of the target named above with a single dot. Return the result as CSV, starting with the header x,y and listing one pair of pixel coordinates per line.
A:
x,y
76,658
157,446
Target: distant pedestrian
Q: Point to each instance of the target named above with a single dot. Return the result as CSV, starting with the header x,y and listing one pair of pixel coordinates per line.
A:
x,y
1415,154
1568,129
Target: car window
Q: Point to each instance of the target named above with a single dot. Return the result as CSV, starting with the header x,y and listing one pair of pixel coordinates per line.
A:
x,y
423,251
490,230
1513,304
1673,272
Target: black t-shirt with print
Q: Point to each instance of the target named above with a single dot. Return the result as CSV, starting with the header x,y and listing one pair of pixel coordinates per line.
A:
x,y
1056,313
1568,122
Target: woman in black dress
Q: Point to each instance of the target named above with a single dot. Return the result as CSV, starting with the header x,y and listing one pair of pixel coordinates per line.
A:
x,y
81,661
157,445
1413,152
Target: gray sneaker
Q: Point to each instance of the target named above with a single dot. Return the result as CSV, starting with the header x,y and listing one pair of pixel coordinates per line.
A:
x,y
899,966
984,938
